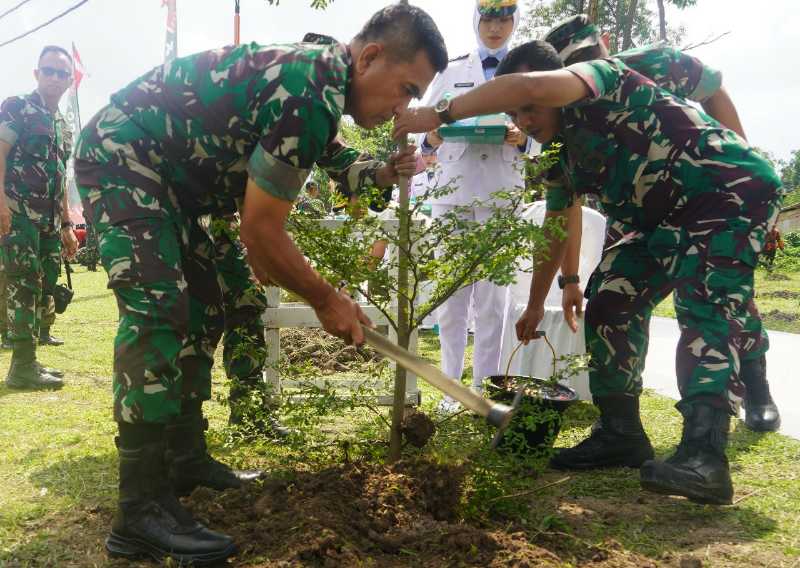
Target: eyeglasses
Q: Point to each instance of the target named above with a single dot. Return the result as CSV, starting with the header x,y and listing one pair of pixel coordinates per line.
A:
x,y
61,74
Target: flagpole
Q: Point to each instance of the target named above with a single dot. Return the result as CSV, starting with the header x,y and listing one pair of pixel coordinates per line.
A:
x,y
236,24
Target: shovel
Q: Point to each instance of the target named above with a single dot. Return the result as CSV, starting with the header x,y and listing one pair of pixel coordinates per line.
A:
x,y
495,413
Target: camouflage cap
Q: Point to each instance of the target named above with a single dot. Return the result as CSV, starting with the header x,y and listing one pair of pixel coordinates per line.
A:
x,y
497,8
572,35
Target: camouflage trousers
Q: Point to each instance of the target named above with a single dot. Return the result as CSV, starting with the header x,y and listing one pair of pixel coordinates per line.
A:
x,y
244,302
3,304
31,259
159,262
712,282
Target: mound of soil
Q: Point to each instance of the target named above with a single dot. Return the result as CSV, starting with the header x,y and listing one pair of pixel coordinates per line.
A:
x,y
325,352
782,294
782,316
361,515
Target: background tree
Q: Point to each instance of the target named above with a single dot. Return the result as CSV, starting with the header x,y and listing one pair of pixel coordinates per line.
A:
x,y
631,23
790,174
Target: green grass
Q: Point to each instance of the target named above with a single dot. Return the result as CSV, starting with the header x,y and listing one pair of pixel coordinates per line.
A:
x,y
58,471
777,299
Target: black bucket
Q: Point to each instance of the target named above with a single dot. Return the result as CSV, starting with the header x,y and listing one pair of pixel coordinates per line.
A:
x,y
537,422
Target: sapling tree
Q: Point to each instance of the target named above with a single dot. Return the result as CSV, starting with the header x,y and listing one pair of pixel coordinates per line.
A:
x,y
449,252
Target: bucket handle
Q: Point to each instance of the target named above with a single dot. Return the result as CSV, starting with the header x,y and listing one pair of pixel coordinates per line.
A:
x,y
538,334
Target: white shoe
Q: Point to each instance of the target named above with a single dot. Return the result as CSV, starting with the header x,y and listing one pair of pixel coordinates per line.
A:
x,y
448,406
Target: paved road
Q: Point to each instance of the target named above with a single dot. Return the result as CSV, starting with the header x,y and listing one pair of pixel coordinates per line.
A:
x,y
783,369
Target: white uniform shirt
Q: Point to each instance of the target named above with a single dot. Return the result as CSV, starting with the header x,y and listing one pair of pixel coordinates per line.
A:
x,y
481,169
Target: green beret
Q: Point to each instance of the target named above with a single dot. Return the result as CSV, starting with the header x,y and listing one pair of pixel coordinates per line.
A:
x,y
572,35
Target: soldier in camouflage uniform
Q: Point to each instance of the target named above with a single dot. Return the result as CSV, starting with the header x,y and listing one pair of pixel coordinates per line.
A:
x,y
695,202
243,124
34,217
577,39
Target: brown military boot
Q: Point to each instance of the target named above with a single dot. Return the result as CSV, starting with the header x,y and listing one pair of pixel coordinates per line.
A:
x,y
24,372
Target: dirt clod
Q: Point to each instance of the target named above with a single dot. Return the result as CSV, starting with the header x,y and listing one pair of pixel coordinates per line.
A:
x,y
418,428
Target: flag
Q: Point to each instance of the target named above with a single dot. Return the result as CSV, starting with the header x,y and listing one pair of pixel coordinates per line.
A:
x,y
171,45
80,71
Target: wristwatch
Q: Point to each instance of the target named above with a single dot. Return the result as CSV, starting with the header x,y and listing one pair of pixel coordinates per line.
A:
x,y
571,279
67,225
442,108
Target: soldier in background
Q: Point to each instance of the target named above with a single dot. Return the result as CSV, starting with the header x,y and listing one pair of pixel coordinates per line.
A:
x,y
34,216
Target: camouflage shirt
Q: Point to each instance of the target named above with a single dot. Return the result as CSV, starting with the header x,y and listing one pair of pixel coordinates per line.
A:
x,y
208,121
36,165
645,151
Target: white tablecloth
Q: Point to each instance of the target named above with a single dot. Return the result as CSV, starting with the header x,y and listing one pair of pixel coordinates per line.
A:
x,y
535,359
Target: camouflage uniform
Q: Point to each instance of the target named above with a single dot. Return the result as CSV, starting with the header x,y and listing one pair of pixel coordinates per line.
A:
x,y
244,301
35,175
179,143
689,205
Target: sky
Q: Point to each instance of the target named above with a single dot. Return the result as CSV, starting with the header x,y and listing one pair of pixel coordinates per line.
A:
x,y
121,39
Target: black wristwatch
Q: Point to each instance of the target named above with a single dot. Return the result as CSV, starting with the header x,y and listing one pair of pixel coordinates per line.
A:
x,y
571,279
442,108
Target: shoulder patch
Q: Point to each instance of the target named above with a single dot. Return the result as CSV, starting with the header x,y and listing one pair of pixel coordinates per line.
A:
x,y
460,57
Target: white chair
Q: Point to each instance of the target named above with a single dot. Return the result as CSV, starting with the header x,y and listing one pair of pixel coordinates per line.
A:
x,y
535,359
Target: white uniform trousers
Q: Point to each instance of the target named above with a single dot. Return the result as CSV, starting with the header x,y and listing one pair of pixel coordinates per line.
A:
x,y
488,301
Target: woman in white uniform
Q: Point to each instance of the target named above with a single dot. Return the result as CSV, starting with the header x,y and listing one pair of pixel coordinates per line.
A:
x,y
479,170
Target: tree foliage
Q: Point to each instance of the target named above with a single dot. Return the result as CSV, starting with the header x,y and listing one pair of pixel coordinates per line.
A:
x,y
631,23
790,174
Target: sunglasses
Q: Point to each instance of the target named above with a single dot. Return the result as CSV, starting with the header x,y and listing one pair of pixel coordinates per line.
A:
x,y
49,72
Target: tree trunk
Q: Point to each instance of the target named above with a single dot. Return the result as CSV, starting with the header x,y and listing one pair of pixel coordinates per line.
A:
x,y
403,318
662,21
627,31
594,11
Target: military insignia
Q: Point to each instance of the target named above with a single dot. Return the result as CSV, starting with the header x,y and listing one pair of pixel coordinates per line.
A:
x,y
460,85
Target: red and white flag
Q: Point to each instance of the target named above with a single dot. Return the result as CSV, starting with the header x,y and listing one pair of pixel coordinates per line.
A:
x,y
80,71
171,45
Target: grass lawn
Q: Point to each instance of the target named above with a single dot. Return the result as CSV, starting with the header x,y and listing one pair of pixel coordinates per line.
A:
x,y
777,299
58,471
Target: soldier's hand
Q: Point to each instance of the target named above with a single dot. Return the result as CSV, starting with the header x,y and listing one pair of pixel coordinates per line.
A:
x,y
404,162
528,323
5,219
515,136
69,242
414,120
434,138
342,317
572,303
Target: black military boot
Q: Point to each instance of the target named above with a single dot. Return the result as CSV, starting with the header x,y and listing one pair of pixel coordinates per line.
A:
x,y
760,411
617,439
150,520
190,465
46,339
699,468
24,372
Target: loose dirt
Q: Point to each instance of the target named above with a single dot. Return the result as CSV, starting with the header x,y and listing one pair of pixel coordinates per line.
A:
x,y
368,515
323,351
